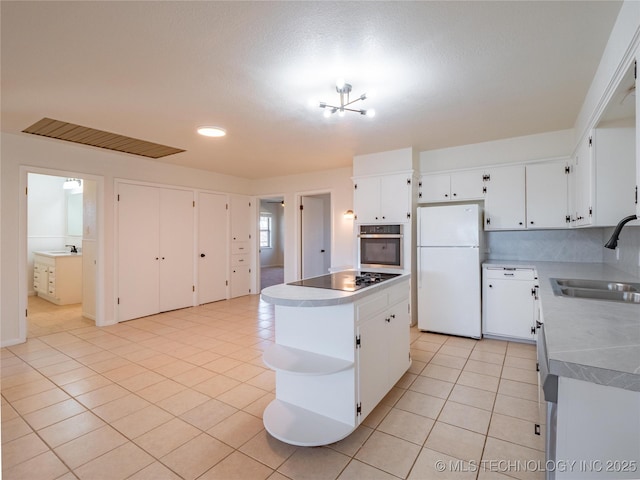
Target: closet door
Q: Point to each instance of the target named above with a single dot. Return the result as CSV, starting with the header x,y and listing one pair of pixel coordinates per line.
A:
x,y
212,247
176,281
138,251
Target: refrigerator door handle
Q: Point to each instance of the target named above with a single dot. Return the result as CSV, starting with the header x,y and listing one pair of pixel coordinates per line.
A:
x,y
419,262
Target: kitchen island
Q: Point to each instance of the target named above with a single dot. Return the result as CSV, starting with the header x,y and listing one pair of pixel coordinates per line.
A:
x,y
589,352
337,353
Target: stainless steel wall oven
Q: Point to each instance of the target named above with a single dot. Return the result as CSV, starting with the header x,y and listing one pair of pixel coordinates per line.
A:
x,y
380,246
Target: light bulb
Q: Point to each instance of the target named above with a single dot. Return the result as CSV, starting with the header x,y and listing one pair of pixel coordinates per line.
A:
x,y
327,112
341,112
212,131
340,83
312,102
371,113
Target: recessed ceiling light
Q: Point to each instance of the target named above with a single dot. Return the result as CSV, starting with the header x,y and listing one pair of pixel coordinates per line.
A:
x,y
212,131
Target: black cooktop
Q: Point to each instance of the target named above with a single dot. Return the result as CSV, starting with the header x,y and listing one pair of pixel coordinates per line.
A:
x,y
348,281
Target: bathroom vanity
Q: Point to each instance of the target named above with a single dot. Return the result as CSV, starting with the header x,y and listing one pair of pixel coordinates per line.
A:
x,y
57,276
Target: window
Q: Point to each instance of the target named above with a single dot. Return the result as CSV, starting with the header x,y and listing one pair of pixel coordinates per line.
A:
x,y
265,230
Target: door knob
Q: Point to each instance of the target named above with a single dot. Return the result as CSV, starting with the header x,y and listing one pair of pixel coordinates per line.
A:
x,y
202,255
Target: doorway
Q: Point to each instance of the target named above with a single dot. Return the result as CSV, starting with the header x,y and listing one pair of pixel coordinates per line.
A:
x,y
61,253
315,234
271,241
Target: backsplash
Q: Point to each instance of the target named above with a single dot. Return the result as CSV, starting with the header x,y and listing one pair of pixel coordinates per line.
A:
x,y
578,245
629,247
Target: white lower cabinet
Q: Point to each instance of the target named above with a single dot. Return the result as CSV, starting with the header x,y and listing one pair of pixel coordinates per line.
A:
x,y
335,363
509,302
58,279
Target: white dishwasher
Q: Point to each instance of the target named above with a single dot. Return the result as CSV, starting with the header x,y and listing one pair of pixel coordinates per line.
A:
x,y
509,302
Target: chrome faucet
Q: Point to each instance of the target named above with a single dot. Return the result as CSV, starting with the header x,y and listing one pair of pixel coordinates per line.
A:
x,y
73,248
613,241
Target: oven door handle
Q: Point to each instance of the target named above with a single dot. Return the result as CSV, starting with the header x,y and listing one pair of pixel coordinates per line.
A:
x,y
380,235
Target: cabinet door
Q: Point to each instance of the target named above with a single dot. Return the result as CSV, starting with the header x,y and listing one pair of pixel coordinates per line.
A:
x,y
138,251
435,188
547,195
240,207
467,185
510,308
240,280
398,341
583,168
505,198
176,249
395,198
366,199
212,247
373,365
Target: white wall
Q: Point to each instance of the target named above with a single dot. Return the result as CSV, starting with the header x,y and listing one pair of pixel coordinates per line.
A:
x,y
338,183
510,150
18,150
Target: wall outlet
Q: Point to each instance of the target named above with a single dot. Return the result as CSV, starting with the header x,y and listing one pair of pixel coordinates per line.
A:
x,y
617,253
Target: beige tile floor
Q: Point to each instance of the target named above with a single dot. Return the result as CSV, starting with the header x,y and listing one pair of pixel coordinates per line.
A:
x,y
181,395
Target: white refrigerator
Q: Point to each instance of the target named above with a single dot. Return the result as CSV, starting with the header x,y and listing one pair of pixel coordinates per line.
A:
x,y
449,258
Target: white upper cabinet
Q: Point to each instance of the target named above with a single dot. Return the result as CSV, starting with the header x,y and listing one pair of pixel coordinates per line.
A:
x,y
547,194
505,198
451,187
240,208
603,186
383,198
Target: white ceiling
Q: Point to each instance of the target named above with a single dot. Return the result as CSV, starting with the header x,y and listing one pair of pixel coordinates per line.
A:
x,y
439,74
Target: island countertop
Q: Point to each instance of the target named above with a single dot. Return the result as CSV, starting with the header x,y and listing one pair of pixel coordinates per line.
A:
x,y
591,340
297,296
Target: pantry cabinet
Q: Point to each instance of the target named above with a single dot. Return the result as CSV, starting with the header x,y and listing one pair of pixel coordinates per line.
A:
x,y
241,237
547,195
451,187
383,198
509,301
155,250
504,205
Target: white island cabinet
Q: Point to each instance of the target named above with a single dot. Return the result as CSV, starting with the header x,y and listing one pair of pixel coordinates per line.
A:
x,y
336,355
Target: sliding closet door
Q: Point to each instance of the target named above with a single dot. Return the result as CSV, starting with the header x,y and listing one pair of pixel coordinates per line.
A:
x,y
138,251
176,285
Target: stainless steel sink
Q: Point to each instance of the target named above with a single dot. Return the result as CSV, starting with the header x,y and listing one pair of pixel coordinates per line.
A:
x,y
625,292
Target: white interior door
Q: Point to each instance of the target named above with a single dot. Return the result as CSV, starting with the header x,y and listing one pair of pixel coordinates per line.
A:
x,y
176,249
212,247
138,251
313,248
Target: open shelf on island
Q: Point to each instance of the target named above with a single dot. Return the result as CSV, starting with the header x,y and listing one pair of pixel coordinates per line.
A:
x,y
298,426
301,362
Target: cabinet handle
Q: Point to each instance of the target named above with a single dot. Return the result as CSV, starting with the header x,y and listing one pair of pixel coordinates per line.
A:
x,y
446,194
455,194
388,320
519,223
531,222
202,255
157,258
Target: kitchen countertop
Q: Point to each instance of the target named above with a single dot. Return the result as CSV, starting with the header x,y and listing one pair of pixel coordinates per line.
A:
x,y
591,340
57,253
297,296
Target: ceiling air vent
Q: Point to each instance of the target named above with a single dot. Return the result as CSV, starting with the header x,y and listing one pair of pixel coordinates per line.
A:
x,y
48,127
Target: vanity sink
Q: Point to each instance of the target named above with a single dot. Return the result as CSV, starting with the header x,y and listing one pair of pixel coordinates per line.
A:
x,y
625,292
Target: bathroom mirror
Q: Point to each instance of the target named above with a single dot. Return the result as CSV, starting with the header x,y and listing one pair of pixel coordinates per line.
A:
x,y
74,214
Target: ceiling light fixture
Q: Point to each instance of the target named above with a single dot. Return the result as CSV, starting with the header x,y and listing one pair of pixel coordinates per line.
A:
x,y
72,183
212,131
344,89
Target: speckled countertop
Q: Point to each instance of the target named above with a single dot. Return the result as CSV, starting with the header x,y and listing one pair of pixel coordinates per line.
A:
x,y
592,340
296,296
